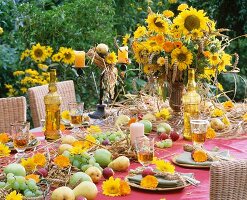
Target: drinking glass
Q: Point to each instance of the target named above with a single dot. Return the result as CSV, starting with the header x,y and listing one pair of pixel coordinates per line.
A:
x,y
76,115
145,150
198,130
20,137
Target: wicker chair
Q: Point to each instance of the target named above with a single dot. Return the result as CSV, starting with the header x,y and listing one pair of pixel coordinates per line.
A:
x,y
12,109
228,180
36,98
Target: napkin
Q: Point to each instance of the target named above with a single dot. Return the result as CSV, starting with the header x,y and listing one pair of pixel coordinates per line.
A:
x,y
162,182
185,158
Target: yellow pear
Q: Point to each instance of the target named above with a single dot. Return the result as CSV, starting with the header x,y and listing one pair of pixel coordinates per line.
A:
x,y
64,147
68,139
63,193
86,189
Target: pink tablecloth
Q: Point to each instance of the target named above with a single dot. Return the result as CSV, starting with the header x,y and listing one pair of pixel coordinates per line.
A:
x,y
237,147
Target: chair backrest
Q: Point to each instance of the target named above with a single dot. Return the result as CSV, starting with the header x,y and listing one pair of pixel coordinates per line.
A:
x,y
12,109
228,180
36,99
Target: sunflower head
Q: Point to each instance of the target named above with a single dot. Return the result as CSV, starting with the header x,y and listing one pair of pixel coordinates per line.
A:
x,y
38,53
182,56
157,23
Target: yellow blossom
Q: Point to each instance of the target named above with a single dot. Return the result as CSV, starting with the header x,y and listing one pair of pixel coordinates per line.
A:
x,y
245,117
18,73
182,7
65,115
111,187
25,54
220,87
14,196
39,159
125,39
77,150
161,61
149,181
4,150
168,13
94,129
172,1
140,31
1,30
33,176
228,105
28,164
226,121
164,166
4,138
164,113
62,161
111,58
210,134
43,67
217,112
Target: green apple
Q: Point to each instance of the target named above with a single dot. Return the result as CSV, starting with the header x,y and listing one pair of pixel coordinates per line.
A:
x,y
147,126
164,128
16,169
77,178
103,157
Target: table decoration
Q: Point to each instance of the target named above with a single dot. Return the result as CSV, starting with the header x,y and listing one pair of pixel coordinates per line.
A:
x,y
108,79
168,45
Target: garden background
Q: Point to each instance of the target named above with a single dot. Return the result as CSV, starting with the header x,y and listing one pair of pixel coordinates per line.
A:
x,y
81,24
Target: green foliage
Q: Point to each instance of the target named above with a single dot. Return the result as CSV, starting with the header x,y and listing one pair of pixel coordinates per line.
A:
x,y
8,63
79,24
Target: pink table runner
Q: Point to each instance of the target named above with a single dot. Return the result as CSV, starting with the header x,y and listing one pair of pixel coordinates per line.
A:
x,y
237,148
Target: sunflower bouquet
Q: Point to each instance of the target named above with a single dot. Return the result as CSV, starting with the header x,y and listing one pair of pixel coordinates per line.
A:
x,y
169,45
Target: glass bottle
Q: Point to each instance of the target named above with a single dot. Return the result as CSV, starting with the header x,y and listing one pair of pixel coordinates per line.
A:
x,y
191,101
52,109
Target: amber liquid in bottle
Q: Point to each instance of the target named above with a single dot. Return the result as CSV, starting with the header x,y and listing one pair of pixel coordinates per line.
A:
x,y
191,101
52,110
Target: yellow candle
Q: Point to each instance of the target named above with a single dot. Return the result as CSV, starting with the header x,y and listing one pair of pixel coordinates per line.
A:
x,y
79,59
123,55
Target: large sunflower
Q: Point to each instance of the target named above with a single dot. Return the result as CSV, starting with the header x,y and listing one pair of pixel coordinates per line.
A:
x,y
183,57
38,53
189,20
68,56
157,23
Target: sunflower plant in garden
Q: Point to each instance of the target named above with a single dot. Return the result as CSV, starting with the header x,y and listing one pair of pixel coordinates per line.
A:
x,y
39,58
169,45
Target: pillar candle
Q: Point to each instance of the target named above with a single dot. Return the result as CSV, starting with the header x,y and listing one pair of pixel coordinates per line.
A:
x,y
123,55
79,59
136,130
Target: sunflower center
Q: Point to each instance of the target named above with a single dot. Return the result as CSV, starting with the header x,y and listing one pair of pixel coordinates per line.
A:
x,y
67,56
181,57
192,22
38,53
214,57
158,23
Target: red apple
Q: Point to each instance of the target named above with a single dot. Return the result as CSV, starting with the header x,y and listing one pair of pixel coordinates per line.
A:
x,y
42,172
80,198
174,136
108,172
140,116
147,171
163,136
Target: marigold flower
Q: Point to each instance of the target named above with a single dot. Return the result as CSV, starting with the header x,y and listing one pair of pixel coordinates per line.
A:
x,y
65,115
132,120
39,159
14,196
4,138
124,188
199,155
228,105
4,150
149,181
182,7
111,187
77,150
210,134
168,46
33,176
168,13
164,113
62,161
28,164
